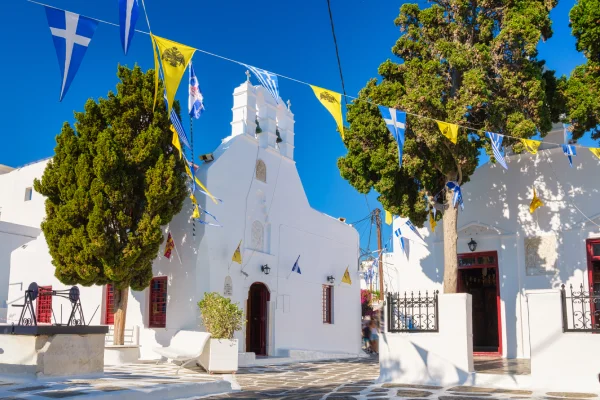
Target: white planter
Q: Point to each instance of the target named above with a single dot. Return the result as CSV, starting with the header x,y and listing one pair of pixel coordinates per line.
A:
x,y
119,355
220,355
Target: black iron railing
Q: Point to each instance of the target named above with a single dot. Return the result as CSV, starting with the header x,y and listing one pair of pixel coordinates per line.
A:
x,y
580,310
412,312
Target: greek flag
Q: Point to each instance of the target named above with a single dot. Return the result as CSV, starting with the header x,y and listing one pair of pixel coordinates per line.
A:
x,y
267,79
496,140
414,229
72,34
296,267
457,198
398,234
396,123
128,15
569,151
195,99
178,126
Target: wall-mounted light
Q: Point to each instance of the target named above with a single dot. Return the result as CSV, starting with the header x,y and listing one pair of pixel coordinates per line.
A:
x,y
472,245
331,279
265,269
206,157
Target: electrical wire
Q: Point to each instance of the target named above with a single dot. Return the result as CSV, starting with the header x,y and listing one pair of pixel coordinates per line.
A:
x,y
337,52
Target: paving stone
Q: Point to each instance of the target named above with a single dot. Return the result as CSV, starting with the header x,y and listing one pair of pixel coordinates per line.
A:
x,y
406,385
473,389
377,396
462,398
62,394
413,393
568,395
30,388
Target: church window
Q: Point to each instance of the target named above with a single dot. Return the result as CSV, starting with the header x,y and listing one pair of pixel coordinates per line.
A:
x,y
258,234
44,305
109,301
261,171
327,304
158,302
28,194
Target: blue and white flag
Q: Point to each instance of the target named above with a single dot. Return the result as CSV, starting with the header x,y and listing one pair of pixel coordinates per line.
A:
x,y
267,79
496,140
414,229
396,123
72,34
178,126
569,151
195,99
398,233
457,198
296,267
129,11
567,133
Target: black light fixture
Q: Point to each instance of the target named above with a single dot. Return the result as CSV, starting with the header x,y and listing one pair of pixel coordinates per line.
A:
x,y
265,269
472,245
331,279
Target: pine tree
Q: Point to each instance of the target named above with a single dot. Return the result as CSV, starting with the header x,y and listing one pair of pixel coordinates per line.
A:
x,y
472,63
113,182
582,89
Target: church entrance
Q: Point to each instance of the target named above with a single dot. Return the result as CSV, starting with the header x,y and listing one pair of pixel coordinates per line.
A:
x,y
478,276
257,318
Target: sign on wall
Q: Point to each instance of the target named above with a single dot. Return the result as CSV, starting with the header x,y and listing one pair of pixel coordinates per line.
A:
x,y
228,287
541,255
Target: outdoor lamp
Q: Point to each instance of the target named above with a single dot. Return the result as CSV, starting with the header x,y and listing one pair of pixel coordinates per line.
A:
x,y
265,269
330,279
472,245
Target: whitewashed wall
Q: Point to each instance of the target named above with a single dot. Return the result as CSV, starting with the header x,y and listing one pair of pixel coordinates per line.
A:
x,y
497,217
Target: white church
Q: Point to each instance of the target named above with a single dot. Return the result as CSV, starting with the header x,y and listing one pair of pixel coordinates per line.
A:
x,y
264,206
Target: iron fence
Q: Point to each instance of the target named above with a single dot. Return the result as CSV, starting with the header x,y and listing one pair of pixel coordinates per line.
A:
x,y
580,310
412,313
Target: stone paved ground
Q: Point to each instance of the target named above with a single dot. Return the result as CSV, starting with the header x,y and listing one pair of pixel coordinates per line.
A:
x,y
355,379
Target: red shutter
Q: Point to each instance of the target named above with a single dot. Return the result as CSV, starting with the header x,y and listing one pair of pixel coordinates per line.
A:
x,y
109,302
44,305
327,304
158,302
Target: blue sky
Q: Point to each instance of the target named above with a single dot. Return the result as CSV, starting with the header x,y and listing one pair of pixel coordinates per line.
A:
x,y
290,38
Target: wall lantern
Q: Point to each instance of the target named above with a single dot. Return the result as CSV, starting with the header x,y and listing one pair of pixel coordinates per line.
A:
x,y
472,245
265,269
331,279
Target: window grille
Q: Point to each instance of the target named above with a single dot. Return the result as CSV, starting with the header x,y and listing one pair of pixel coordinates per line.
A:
x,y
158,302
44,305
327,304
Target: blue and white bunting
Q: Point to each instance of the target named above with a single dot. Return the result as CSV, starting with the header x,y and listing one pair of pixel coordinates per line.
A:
x,y
398,233
129,11
414,230
72,34
195,99
457,198
267,79
396,124
296,267
496,140
569,151
178,126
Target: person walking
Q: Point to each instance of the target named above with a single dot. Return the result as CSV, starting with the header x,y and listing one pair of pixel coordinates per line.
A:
x,y
374,338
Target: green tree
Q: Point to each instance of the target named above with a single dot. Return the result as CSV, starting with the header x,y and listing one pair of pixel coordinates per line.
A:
x,y
472,63
582,89
113,182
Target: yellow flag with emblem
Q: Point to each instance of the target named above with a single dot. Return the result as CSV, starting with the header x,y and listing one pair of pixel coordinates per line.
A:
x,y
448,130
535,203
388,217
237,254
196,213
175,58
595,151
531,145
332,101
432,221
346,277
176,142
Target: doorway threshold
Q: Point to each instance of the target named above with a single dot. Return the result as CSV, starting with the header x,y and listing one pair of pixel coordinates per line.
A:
x,y
502,366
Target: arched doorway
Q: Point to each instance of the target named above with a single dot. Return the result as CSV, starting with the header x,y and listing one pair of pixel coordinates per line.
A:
x,y
257,318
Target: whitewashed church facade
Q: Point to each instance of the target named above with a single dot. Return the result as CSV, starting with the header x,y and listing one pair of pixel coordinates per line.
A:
x,y
264,206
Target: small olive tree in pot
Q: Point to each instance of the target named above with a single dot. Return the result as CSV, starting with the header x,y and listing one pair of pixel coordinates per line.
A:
x,y
222,319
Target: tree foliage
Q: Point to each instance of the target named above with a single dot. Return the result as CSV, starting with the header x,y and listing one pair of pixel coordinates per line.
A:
x,y
114,180
220,316
582,89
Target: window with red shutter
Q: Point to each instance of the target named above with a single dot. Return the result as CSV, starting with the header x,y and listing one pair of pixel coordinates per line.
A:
x,y
327,304
158,302
109,301
44,305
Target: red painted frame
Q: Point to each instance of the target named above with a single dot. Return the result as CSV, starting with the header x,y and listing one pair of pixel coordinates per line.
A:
x,y
498,302
109,303
590,258
158,318
44,305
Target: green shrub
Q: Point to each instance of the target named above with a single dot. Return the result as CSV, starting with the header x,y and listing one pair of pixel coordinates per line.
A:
x,y
220,316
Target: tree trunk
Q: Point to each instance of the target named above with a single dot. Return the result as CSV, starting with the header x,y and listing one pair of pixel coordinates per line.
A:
x,y
450,221
120,304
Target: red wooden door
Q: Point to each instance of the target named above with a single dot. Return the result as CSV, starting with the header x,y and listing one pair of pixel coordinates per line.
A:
x,y
593,256
257,318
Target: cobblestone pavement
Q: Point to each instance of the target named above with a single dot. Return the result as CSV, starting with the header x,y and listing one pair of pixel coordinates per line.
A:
x,y
355,379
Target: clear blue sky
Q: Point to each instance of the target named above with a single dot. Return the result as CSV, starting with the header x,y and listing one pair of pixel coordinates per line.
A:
x,y
290,38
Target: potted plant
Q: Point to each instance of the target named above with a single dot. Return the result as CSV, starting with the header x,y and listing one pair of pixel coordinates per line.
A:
x,y
222,319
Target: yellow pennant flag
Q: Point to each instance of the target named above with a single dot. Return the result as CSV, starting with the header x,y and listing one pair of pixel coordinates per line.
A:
x,y
432,221
176,142
237,254
189,173
449,130
196,213
333,103
531,145
535,202
346,277
388,217
175,58
595,151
